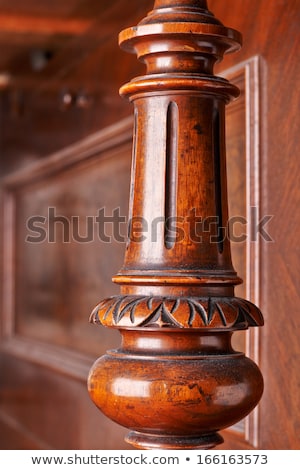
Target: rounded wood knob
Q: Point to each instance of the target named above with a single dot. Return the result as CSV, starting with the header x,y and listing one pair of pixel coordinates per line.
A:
x,y
175,388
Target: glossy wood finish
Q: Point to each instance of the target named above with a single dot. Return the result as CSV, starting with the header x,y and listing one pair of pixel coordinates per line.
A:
x,y
36,377
177,307
274,36
175,388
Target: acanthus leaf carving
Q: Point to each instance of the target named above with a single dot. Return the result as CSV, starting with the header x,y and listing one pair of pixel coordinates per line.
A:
x,y
177,312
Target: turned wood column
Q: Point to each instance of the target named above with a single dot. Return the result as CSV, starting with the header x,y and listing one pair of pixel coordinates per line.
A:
x,y
176,380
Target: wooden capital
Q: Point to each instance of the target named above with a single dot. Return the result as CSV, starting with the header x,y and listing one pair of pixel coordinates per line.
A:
x,y
176,381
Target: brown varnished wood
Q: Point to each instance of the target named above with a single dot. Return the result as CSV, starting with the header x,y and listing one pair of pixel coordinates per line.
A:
x,y
33,395
35,125
279,417
176,380
32,100
42,25
47,346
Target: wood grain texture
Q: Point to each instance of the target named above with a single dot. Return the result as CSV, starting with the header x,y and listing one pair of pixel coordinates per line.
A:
x,y
33,125
43,315
279,345
31,396
180,284
42,359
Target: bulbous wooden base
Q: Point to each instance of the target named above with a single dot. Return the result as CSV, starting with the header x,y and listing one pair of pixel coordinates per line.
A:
x,y
175,388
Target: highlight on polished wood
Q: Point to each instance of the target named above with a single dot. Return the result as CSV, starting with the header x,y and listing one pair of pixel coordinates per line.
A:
x,y
176,380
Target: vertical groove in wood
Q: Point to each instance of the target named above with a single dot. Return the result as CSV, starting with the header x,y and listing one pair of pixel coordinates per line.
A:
x,y
133,171
218,180
171,173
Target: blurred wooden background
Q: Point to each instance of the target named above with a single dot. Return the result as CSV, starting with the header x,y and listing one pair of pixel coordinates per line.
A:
x,y
65,143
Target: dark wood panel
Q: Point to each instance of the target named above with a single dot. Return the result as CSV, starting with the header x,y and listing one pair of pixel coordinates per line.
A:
x,y
271,29
33,127
13,436
66,225
40,409
36,121
64,273
243,123
50,293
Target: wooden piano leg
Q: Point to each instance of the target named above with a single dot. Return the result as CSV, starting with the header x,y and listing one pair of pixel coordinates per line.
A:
x,y
176,380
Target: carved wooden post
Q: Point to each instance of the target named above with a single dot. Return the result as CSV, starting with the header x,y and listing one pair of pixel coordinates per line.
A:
x,y
176,380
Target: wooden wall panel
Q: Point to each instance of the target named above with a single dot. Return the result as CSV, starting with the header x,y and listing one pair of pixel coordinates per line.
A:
x,y
30,368
270,29
59,255
43,409
50,287
59,277
243,175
